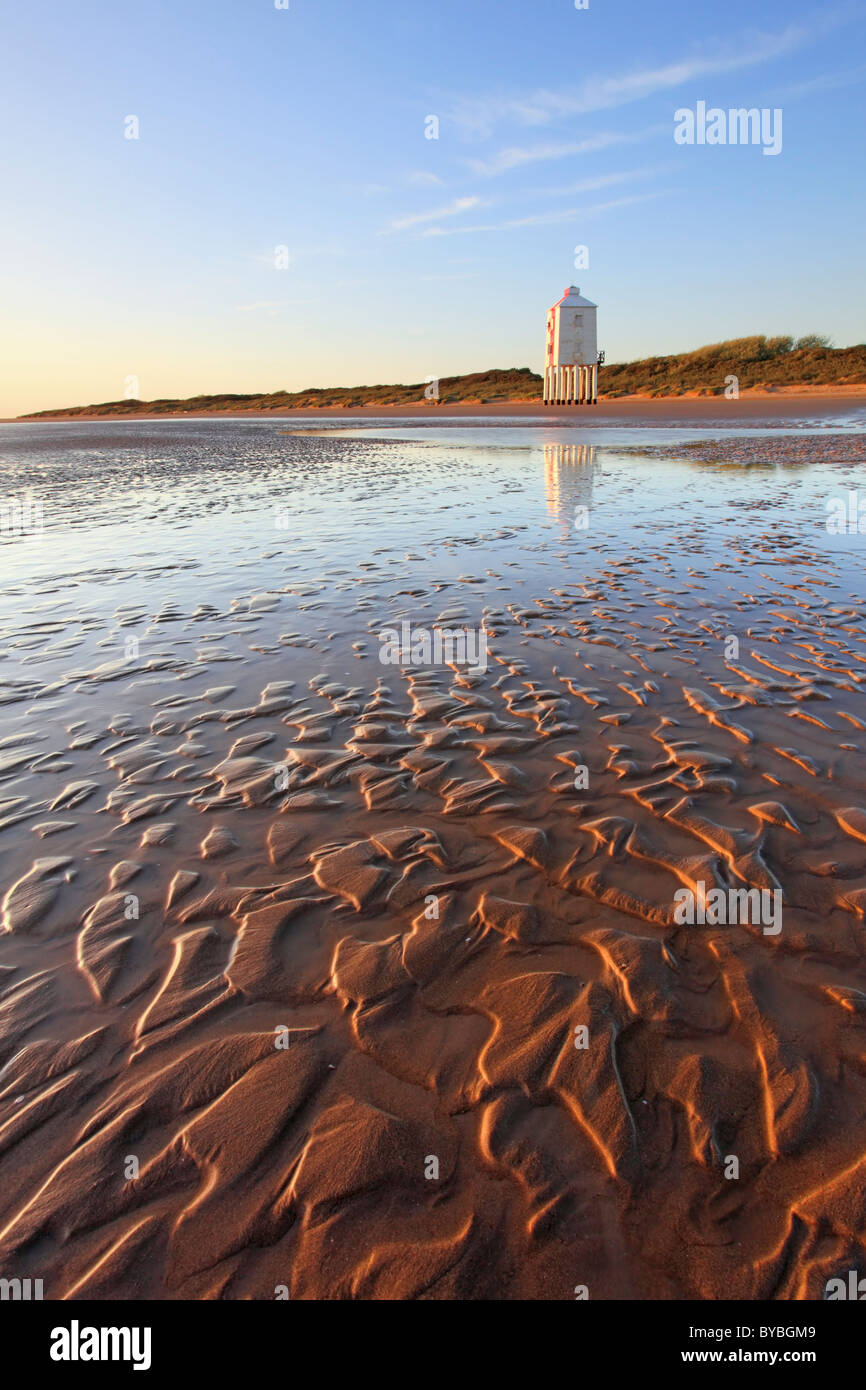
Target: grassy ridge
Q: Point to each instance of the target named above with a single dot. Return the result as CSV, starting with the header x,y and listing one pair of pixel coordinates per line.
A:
x,y
756,362
517,384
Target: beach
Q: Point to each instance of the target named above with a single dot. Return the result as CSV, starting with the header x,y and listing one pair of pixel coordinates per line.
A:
x,y
784,403
330,976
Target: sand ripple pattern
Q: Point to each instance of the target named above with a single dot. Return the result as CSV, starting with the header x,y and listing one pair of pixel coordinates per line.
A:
x,y
311,940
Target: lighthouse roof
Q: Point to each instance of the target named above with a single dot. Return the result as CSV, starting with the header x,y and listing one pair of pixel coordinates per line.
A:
x,y
574,299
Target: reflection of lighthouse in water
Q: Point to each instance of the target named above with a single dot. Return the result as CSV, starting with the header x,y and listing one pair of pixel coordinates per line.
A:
x,y
568,474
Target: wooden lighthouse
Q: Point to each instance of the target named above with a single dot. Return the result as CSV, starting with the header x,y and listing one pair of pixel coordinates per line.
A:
x,y
571,351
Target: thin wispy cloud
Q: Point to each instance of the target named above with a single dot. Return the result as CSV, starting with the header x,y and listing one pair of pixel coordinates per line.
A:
x,y
592,185
827,82
517,156
453,209
423,178
478,117
540,219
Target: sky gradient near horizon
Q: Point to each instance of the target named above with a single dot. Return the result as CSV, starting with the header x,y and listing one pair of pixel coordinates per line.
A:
x,y
156,258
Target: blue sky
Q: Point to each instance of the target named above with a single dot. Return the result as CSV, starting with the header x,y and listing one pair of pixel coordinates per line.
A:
x,y
411,257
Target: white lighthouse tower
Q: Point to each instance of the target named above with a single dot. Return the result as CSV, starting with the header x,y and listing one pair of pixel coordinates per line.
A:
x,y
571,351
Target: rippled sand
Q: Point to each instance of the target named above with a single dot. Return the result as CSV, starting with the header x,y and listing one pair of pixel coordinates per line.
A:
x,y
296,946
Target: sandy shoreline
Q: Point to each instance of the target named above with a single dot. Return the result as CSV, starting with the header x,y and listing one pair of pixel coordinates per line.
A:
x,y
363,979
781,404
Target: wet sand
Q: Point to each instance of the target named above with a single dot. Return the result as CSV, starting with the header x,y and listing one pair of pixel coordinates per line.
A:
x,y
296,946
